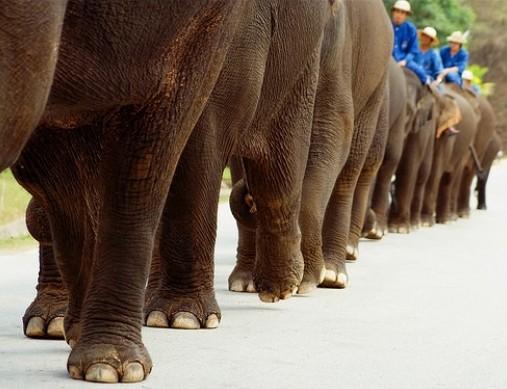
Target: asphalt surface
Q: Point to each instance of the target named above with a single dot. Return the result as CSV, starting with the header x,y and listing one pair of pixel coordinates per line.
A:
x,y
427,310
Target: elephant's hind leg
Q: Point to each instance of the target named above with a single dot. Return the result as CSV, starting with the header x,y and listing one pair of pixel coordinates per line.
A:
x,y
44,316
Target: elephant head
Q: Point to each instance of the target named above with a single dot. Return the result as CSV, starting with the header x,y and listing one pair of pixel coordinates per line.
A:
x,y
448,112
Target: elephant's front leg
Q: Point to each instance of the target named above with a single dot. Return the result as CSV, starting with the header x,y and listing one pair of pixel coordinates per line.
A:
x,y
44,317
184,296
135,177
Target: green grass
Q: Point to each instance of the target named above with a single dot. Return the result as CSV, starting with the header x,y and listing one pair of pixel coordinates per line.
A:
x,y
17,244
13,198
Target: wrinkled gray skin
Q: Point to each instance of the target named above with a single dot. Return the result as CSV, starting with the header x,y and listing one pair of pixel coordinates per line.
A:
x,y
414,166
347,145
483,137
450,156
400,107
494,147
119,115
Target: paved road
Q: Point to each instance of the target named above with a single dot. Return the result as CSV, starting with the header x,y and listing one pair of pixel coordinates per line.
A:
x,y
427,310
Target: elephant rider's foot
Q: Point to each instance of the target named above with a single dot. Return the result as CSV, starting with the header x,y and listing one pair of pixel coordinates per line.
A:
x,y
100,361
352,251
44,316
279,266
182,310
336,275
452,131
241,280
427,220
313,276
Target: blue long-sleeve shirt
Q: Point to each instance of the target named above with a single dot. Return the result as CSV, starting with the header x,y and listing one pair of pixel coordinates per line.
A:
x,y
406,43
431,62
460,59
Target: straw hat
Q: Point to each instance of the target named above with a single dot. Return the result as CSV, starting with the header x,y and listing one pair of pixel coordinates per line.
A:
x,y
432,33
467,75
403,5
456,37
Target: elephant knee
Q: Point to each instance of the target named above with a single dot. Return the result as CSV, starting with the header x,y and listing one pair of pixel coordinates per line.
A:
x,y
242,205
37,222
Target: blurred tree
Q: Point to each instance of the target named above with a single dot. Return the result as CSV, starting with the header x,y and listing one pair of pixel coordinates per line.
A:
x,y
488,48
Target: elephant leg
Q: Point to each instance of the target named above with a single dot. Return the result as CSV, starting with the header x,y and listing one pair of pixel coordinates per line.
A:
x,y
406,177
64,187
482,182
135,176
465,190
337,219
420,185
44,316
332,131
241,278
441,148
380,199
443,209
365,182
185,297
456,186
274,160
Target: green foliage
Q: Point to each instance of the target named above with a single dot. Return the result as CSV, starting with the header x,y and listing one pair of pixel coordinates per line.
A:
x,y
13,199
444,15
487,88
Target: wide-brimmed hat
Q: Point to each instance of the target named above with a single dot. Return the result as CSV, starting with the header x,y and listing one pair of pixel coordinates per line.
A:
x,y
432,33
457,37
403,5
467,75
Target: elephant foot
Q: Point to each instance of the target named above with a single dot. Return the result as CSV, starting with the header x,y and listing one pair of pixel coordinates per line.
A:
x,y
415,224
399,228
279,267
336,276
312,279
44,316
443,219
241,280
482,206
166,310
377,232
124,361
427,221
464,213
352,251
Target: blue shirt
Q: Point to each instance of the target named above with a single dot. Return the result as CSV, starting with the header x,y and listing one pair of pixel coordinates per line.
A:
x,y
431,63
406,44
460,60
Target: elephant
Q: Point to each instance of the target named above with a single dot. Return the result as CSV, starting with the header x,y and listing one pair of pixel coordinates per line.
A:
x,y
434,113
484,135
494,147
118,108
347,143
450,156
